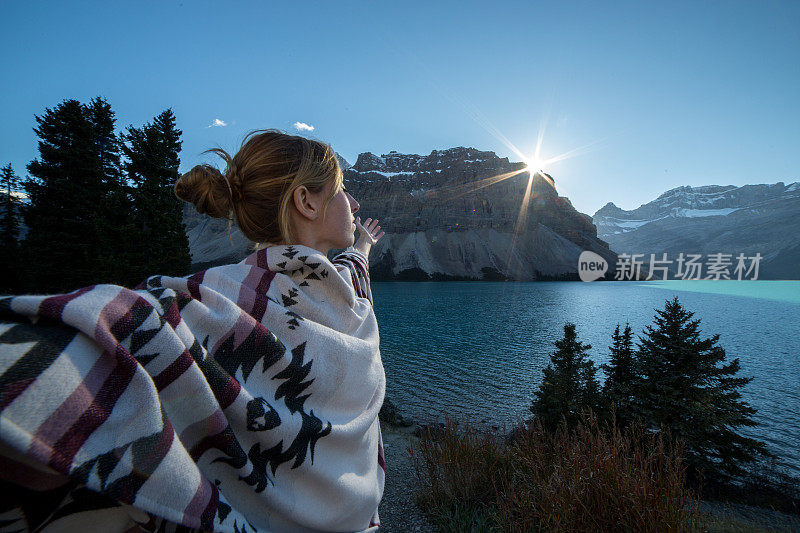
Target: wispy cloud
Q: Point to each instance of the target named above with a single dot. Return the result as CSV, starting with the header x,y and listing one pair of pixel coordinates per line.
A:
x,y
302,126
218,123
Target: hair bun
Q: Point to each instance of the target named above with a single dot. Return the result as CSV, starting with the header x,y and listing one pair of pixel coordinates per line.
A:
x,y
205,188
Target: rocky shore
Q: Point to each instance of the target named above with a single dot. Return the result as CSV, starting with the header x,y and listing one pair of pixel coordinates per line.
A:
x,y
398,510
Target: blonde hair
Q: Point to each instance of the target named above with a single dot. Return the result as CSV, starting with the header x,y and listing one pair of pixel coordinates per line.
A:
x,y
259,182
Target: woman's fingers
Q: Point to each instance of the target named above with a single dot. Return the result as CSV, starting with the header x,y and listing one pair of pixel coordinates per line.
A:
x,y
370,228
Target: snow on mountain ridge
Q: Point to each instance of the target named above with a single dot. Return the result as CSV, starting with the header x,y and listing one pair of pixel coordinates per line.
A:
x,y
691,202
702,189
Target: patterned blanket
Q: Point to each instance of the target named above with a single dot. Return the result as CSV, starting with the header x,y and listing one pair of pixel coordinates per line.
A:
x,y
241,398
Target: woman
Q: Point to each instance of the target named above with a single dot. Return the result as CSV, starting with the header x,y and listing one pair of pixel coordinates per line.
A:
x,y
241,398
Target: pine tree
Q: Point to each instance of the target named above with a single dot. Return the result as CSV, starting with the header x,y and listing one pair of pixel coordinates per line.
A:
x,y
75,199
684,385
9,231
152,167
569,386
114,222
620,374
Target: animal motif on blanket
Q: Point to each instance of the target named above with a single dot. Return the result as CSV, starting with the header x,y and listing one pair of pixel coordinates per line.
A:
x,y
241,398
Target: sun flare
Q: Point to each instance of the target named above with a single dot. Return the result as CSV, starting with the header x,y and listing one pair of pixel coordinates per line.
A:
x,y
535,164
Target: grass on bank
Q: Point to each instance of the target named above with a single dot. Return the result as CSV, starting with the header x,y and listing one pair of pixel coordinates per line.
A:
x,y
593,477
589,477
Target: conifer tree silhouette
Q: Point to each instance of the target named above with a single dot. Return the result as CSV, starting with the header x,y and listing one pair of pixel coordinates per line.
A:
x,y
569,385
685,384
77,201
151,166
9,230
620,374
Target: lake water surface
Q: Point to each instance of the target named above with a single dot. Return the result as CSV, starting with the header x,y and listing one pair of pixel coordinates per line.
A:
x,y
477,349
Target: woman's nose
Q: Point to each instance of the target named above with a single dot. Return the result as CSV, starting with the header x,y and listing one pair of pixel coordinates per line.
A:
x,y
353,204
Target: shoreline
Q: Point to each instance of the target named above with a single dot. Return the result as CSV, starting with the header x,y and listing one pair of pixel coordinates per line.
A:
x,y
398,510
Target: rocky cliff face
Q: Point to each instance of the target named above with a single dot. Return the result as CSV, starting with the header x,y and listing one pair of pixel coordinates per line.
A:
x,y
749,219
445,218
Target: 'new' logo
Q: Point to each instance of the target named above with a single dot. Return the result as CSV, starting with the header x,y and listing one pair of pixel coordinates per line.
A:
x,y
591,266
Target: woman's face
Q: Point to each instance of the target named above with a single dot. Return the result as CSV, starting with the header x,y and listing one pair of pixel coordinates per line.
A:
x,y
338,228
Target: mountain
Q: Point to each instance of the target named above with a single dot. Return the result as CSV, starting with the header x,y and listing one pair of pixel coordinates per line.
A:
x,y
749,219
445,218
342,161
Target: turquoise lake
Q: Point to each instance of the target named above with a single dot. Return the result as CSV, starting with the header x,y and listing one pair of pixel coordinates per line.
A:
x,y
477,349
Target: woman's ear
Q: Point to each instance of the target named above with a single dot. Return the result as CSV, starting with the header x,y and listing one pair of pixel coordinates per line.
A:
x,y
305,202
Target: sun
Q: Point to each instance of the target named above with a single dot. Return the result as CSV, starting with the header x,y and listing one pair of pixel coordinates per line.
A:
x,y
535,164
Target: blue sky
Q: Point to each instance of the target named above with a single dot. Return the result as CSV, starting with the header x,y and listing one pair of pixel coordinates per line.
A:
x,y
656,96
